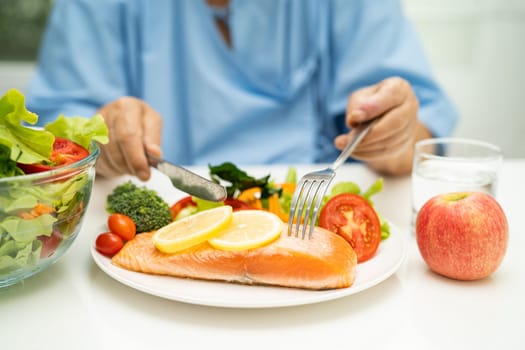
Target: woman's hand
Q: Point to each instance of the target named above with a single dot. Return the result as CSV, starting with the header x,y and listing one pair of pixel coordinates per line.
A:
x,y
388,147
134,127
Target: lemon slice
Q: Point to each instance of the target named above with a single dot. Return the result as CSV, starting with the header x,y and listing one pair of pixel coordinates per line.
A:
x,y
248,229
192,230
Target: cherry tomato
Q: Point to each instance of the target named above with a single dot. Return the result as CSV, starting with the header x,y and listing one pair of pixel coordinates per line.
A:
x,y
352,217
122,225
64,152
181,204
109,243
237,204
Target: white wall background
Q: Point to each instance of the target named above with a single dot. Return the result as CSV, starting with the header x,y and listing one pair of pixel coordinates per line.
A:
x,y
477,48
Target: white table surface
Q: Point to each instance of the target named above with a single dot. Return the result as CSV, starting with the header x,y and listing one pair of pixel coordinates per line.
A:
x,y
75,305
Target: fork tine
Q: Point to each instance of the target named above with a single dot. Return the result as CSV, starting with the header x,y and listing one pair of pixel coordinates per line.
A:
x,y
322,190
306,202
293,207
310,203
305,195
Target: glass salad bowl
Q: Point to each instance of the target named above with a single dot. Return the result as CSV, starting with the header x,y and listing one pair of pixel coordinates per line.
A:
x,y
41,215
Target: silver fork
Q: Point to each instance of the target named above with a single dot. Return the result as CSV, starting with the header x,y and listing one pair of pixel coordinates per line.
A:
x,y
312,187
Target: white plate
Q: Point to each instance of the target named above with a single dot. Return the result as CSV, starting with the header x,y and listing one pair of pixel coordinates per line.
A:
x,y
387,260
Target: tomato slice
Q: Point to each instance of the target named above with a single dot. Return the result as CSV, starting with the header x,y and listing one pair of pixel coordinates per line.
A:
x,y
64,152
352,217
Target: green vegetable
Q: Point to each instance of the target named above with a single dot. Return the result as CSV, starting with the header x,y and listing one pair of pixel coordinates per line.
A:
x,y
144,206
20,246
203,204
385,228
239,180
285,198
80,130
376,187
8,166
189,210
345,187
291,175
27,145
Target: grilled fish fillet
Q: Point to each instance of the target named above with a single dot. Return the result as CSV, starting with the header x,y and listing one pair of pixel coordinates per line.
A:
x,y
326,261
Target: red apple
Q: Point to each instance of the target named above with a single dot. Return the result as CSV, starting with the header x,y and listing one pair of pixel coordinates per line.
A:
x,y
462,235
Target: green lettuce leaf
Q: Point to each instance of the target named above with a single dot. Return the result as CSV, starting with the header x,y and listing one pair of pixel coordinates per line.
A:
x,y
376,187
203,204
80,129
291,175
15,255
27,230
8,166
24,201
27,145
345,187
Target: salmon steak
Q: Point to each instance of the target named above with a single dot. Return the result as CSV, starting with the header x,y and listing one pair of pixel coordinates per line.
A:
x,y
326,261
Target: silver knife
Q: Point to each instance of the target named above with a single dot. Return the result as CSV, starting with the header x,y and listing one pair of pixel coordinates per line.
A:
x,y
188,181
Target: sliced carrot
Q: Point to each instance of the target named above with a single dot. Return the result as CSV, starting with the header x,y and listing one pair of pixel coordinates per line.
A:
x,y
38,209
274,206
252,197
41,209
288,187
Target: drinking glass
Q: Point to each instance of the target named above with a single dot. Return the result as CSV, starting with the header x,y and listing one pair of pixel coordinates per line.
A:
x,y
444,165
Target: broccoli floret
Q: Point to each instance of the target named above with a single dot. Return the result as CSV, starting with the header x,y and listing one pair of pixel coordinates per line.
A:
x,y
147,209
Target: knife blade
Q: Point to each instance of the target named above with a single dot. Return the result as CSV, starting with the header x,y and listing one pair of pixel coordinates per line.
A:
x,y
188,181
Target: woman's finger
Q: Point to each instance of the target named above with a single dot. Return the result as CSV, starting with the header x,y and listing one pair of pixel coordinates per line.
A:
x,y
377,100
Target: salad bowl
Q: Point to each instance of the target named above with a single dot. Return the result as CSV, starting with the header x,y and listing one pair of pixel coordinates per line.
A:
x,y
46,179
41,215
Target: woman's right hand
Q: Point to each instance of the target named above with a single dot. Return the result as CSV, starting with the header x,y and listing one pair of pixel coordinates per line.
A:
x,y
134,128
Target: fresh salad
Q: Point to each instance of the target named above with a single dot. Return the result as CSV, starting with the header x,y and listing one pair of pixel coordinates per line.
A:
x,y
35,218
346,209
